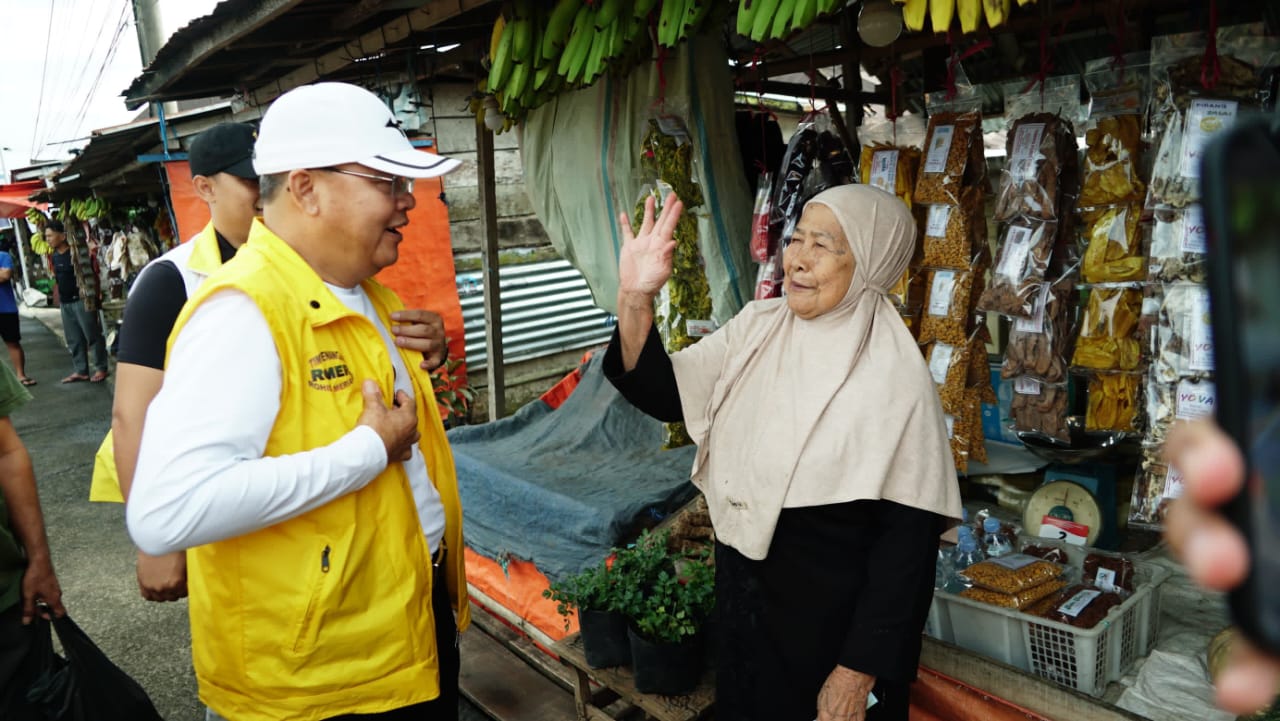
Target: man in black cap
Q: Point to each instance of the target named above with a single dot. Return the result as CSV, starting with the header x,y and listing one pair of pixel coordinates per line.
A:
x,y
221,160
78,299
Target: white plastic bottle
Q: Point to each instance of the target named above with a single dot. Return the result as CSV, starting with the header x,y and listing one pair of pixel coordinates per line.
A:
x,y
994,542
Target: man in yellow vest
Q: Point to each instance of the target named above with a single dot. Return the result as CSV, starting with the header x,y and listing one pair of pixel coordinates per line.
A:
x,y
222,175
295,450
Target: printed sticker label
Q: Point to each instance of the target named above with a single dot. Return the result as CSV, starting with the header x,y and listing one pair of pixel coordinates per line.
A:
x,y
936,226
884,170
1195,237
1205,119
944,285
1195,400
1026,149
939,149
1017,246
940,362
1078,603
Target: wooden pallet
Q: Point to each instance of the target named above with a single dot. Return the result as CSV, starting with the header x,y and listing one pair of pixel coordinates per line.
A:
x,y
691,707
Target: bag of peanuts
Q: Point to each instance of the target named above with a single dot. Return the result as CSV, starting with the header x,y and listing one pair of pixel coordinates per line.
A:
x,y
949,306
1017,601
955,236
954,159
949,366
1012,574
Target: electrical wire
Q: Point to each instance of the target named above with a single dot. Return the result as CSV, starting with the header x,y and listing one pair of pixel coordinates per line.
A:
x,y
44,74
79,82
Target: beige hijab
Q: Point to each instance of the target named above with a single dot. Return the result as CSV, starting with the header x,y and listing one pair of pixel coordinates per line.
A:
x,y
789,412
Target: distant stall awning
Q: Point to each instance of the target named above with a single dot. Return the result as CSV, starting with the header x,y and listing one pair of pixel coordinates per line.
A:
x,y
261,48
15,198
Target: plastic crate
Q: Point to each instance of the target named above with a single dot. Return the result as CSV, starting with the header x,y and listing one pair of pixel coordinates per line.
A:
x,y
1083,659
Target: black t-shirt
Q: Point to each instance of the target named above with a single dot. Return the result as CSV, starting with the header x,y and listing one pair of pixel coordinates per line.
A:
x,y
155,301
64,272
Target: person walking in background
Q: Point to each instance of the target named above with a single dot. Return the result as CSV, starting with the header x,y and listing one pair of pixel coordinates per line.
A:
x,y
78,298
10,329
26,567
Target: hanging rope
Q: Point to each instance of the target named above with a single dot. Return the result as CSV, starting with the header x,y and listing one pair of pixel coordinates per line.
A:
x,y
1211,65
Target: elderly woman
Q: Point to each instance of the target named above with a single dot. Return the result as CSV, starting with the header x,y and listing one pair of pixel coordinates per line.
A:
x,y
823,455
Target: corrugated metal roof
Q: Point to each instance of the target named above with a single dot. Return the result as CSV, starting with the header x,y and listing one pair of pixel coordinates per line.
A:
x,y
546,309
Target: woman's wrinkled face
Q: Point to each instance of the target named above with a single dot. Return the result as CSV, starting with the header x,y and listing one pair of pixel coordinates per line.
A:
x,y
818,263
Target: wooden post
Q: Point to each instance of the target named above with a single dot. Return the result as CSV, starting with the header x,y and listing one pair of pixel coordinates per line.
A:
x,y
492,289
851,69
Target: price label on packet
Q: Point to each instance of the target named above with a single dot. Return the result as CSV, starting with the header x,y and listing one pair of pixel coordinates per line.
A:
x,y
884,170
1026,148
1173,483
1205,118
699,328
940,362
939,149
936,225
1063,530
1034,324
1195,399
1026,386
1195,237
944,285
1017,246
1201,335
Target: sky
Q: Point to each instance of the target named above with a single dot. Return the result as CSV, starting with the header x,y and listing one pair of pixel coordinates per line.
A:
x,y
63,67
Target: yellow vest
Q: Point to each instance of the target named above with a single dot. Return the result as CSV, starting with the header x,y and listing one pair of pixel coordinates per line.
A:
x,y
196,262
328,613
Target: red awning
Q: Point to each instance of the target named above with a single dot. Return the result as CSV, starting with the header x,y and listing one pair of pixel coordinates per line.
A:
x,y
13,198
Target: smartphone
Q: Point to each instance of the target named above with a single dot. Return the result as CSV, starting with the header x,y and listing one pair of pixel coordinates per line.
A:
x,y
1240,184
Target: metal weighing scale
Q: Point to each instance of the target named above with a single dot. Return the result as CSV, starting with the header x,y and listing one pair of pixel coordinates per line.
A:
x,y
1082,494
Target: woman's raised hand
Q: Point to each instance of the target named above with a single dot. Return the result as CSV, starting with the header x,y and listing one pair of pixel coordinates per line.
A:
x,y
645,262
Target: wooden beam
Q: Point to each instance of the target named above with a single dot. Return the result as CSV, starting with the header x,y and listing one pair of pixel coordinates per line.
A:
x,y
190,56
1016,686
494,365
428,15
820,90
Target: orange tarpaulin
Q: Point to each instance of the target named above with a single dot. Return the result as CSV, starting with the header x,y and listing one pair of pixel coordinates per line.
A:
x,y
189,211
424,275
518,588
935,697
13,198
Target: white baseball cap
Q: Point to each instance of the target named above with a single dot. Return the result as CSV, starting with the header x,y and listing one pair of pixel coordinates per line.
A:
x,y
327,124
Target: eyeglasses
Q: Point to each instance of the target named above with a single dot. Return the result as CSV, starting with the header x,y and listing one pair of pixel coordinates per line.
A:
x,y
399,185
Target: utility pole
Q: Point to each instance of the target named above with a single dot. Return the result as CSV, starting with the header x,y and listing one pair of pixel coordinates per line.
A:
x,y
146,16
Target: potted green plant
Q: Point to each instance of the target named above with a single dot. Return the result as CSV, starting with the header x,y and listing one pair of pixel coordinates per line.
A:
x,y
667,617
596,595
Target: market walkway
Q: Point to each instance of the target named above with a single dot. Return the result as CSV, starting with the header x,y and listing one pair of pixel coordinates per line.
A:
x,y
92,554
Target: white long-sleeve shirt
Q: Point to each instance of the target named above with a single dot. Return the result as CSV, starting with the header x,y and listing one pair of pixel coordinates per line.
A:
x,y
201,476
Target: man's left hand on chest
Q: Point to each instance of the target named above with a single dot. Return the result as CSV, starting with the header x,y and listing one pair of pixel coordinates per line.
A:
x,y
422,331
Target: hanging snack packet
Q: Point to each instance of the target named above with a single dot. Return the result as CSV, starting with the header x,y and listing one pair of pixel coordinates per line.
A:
x,y
1109,330
1040,147
948,309
954,236
953,158
1113,402
1110,173
1183,337
1040,409
761,247
1179,242
949,367
1155,486
1040,347
1021,261
1114,250
890,168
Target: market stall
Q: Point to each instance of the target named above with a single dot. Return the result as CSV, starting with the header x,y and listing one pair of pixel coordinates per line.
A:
x,y
1057,290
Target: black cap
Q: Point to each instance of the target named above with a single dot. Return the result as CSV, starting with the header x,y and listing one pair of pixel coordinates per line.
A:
x,y
55,226
224,148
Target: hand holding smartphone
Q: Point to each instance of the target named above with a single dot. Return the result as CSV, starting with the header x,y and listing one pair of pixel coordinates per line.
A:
x,y
1240,178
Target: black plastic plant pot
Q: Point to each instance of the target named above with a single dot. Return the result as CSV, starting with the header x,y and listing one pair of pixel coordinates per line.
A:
x,y
604,638
670,669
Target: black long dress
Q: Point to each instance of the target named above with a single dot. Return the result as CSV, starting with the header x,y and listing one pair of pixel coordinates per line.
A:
x,y
847,583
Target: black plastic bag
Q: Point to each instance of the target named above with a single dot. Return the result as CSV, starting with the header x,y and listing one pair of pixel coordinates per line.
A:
x,y
85,686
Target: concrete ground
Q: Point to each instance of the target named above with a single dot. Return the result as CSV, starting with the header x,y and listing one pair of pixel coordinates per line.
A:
x,y
93,557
